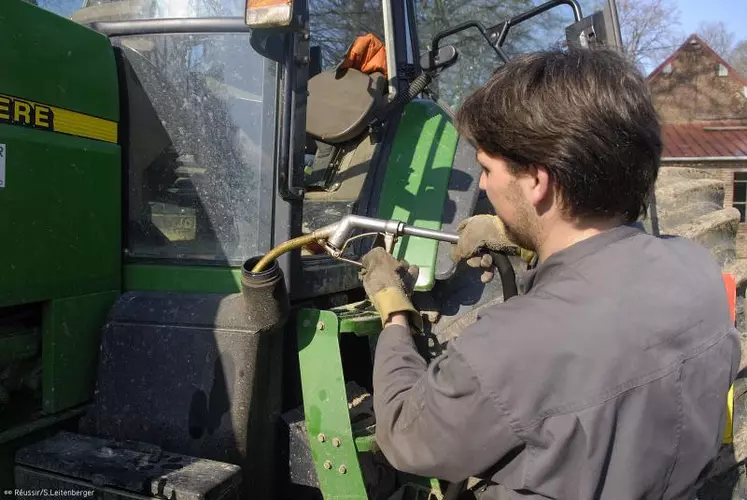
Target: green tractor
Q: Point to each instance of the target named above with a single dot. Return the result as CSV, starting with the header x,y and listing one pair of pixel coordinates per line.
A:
x,y
152,152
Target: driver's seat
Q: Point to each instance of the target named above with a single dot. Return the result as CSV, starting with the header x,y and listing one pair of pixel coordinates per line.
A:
x,y
342,103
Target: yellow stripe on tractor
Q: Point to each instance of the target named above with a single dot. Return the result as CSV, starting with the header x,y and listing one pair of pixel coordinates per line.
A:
x,y
22,112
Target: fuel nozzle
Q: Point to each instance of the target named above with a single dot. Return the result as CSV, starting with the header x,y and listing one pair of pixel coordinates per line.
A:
x,y
335,238
343,231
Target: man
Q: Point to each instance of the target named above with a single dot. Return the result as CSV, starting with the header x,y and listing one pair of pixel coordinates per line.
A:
x,y
607,378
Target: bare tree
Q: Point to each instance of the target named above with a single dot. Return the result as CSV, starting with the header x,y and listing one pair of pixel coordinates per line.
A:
x,y
649,29
738,58
725,43
477,60
718,37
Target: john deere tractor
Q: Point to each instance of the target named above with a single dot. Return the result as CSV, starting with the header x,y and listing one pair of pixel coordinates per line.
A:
x,y
185,191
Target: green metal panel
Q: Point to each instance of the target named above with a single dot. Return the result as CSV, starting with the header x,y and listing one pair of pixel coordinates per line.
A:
x,y
61,200
49,59
60,216
326,406
198,279
60,206
70,348
416,181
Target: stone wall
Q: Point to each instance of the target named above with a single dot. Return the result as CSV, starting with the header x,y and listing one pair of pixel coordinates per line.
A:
x,y
723,170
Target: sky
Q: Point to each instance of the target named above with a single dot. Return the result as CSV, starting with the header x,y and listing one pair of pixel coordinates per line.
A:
x,y
732,12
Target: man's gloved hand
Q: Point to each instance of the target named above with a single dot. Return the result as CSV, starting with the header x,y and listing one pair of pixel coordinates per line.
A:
x,y
389,284
484,232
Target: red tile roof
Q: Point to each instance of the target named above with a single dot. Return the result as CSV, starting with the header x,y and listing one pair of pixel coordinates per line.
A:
x,y
698,140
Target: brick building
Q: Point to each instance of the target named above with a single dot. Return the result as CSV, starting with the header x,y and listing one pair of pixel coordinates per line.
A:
x,y
702,102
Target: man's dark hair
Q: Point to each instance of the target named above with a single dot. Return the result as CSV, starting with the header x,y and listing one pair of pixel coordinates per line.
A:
x,y
586,115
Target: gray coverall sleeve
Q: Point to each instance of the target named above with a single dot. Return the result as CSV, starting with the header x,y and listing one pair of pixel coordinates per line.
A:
x,y
434,420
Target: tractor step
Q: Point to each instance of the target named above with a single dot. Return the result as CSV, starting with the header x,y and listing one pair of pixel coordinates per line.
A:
x,y
94,467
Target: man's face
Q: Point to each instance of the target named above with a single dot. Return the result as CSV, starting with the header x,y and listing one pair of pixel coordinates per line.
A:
x,y
507,193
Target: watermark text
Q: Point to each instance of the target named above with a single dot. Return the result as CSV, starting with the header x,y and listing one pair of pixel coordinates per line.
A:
x,y
48,492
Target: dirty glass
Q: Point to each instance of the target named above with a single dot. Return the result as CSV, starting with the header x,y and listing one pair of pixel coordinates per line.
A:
x,y
477,60
199,146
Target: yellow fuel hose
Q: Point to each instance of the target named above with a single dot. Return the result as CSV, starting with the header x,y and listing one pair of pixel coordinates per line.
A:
x,y
284,247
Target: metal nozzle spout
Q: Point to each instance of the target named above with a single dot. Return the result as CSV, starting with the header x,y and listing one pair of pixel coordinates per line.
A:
x,y
337,234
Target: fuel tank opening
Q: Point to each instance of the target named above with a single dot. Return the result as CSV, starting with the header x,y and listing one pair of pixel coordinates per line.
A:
x,y
265,294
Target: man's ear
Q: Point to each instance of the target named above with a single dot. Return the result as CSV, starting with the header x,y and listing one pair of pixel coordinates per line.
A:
x,y
537,185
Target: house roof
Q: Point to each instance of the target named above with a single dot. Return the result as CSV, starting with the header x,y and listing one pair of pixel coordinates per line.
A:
x,y
733,74
705,140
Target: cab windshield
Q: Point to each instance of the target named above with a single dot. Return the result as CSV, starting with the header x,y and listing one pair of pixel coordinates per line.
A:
x,y
199,123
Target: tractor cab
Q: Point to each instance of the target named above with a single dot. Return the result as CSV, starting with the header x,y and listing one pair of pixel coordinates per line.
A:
x,y
165,147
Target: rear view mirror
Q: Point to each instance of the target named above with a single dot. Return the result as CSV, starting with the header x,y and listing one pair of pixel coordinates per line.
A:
x,y
446,56
268,13
600,29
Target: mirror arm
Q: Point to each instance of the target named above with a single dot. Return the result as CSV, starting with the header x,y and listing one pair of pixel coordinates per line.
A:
x,y
506,25
464,26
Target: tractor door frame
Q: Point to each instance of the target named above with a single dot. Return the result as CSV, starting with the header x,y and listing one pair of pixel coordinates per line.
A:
x,y
322,275
400,32
291,144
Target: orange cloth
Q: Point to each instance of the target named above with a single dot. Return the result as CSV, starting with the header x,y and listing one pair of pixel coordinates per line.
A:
x,y
366,54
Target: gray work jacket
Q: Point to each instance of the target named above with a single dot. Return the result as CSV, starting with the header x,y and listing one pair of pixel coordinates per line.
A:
x,y
606,379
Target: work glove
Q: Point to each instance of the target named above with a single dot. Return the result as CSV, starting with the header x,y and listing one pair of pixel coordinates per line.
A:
x,y
389,284
484,232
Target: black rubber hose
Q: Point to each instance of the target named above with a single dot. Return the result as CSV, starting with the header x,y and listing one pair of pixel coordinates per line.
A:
x,y
508,276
